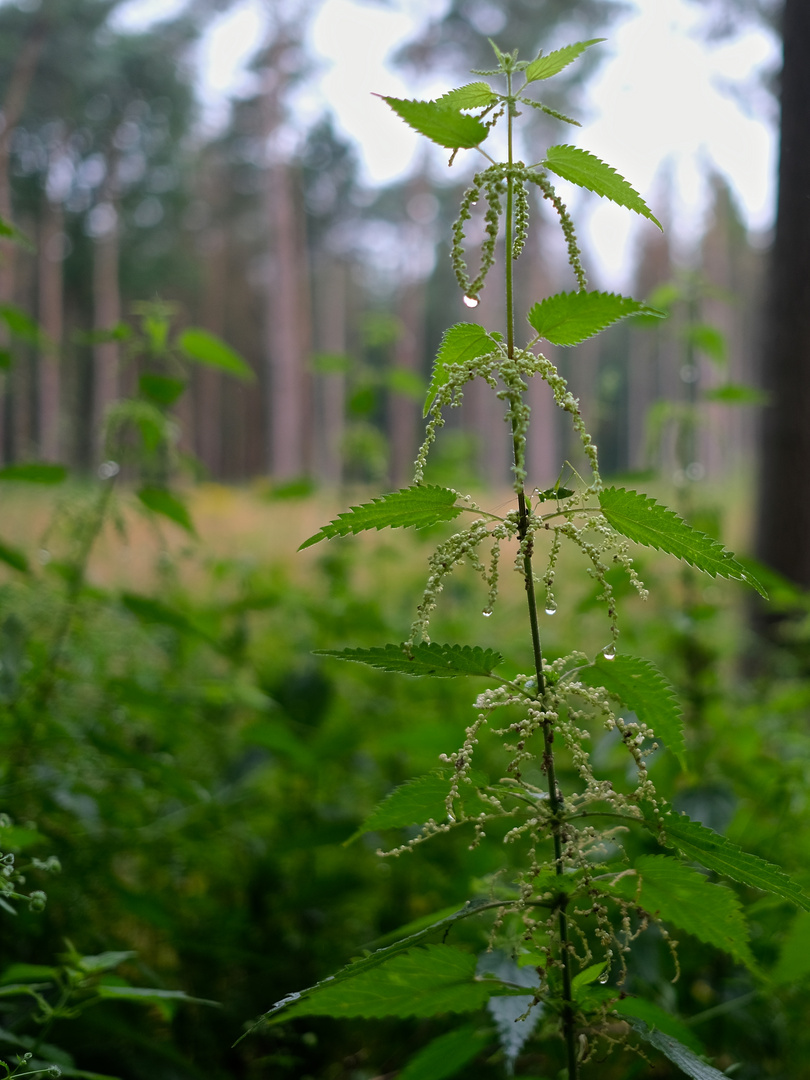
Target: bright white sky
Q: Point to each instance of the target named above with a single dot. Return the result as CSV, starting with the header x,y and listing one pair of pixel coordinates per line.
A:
x,y
658,101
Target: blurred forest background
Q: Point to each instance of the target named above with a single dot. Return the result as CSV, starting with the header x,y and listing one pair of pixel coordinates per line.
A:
x,y
165,731
336,294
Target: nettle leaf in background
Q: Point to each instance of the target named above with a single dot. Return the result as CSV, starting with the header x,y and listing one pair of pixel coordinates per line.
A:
x,y
418,801
409,508
475,95
161,389
678,1054
793,965
13,557
686,899
442,124
412,803
34,472
447,1055
546,66
163,502
208,349
428,980
12,233
21,325
586,170
570,318
640,686
656,1017
647,522
515,1017
735,394
460,344
717,853
444,661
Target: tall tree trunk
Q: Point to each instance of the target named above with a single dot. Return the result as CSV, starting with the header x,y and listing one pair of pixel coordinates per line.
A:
x,y
331,325
106,315
403,411
783,516
208,382
51,318
13,104
287,329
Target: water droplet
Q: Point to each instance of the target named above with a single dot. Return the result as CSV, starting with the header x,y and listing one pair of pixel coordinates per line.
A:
x,y
487,612
551,607
108,469
471,301
44,556
603,978
609,652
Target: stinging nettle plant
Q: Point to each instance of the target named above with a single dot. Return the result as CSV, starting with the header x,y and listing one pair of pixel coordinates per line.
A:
x,y
558,925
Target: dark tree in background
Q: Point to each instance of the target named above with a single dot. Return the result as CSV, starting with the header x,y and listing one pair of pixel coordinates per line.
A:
x,y
783,519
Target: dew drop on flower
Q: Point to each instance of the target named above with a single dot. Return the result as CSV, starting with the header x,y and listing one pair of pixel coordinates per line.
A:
x,y
551,607
471,301
603,978
609,652
487,612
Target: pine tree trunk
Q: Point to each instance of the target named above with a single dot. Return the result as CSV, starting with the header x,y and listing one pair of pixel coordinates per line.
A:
x,y
13,104
106,315
783,517
51,318
403,411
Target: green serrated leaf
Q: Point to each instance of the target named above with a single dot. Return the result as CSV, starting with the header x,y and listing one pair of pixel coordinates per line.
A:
x,y
685,898
586,170
208,349
475,95
34,472
717,853
442,124
677,1053
14,558
460,344
586,977
641,687
443,661
163,502
446,1056
569,318
546,66
656,1017
409,508
647,522
412,803
425,981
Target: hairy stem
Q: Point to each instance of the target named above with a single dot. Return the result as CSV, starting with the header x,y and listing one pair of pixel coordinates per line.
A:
x,y
555,799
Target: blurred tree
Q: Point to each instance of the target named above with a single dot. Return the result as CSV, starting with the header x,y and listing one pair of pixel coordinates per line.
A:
x,y
783,517
97,148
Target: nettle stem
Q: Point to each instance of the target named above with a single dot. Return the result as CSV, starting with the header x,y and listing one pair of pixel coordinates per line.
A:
x,y
526,542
